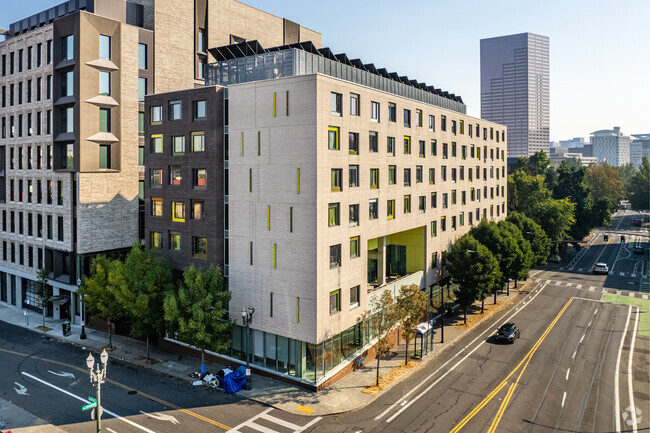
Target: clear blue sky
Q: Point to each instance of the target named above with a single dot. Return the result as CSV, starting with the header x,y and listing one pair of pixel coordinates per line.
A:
x,y
599,49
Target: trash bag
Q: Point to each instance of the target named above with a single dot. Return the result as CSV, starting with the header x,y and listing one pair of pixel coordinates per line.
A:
x,y
233,382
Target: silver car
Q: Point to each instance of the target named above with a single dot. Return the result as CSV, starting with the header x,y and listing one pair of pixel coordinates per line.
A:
x,y
601,268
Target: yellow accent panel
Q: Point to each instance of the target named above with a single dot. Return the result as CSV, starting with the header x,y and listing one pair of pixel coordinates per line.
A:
x,y
298,181
306,410
275,256
414,241
274,104
241,141
268,218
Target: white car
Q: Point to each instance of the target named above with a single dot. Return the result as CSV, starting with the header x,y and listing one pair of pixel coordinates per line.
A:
x,y
601,268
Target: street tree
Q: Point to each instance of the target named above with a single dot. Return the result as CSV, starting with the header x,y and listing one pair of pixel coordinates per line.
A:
x,y
473,268
571,184
381,319
533,233
525,190
536,164
411,304
100,291
605,182
638,187
146,280
42,290
556,217
198,309
524,257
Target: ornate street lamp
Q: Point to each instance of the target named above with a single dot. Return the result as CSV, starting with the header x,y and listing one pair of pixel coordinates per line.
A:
x,y
96,379
247,319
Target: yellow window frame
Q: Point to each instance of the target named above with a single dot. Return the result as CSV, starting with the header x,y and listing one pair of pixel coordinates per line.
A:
x,y
174,217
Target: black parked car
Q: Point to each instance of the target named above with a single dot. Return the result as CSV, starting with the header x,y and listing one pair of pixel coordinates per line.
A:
x,y
508,333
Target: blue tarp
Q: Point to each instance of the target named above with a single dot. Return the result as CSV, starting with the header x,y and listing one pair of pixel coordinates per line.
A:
x,y
233,382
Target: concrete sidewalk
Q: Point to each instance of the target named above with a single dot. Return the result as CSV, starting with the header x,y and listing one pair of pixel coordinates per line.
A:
x,y
343,396
20,421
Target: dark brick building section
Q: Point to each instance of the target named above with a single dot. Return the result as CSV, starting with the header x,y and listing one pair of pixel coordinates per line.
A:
x,y
191,188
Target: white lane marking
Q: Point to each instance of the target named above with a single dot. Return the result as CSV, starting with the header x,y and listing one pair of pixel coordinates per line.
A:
x,y
161,417
581,269
21,389
622,274
617,406
251,424
279,421
568,370
582,338
104,410
420,395
589,324
563,398
595,311
579,286
630,387
62,374
110,430
574,354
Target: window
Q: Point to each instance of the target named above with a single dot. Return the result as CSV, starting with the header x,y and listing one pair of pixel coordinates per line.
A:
x,y
199,177
432,176
354,215
105,120
175,175
142,56
175,110
178,211
140,124
104,83
355,106
453,222
392,174
142,88
197,210
202,41
392,112
336,103
104,47
174,241
421,150
407,118
407,177
67,119
355,296
390,209
453,149
463,197
443,123
432,123
157,143
199,109
445,151
443,224
49,51
354,247
453,127
434,148
463,152
67,84
434,233
407,204
333,138
198,141
354,143
105,156
178,145
453,175
335,256
156,115
443,173
373,209
453,196
422,204
374,178
434,200
418,118
418,174
333,214
407,145
335,301
67,47
337,179
373,141
374,111
445,201
156,206
199,247
353,173
390,145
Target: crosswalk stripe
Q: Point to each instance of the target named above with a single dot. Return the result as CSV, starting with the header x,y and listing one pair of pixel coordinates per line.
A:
x,y
644,296
618,292
558,283
633,275
569,284
548,281
579,286
622,274
592,288
581,269
604,290
281,422
261,428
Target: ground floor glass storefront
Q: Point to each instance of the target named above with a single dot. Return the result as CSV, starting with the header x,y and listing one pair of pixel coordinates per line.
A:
x,y
300,359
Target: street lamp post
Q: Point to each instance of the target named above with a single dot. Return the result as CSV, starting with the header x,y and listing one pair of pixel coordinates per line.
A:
x,y
247,319
96,379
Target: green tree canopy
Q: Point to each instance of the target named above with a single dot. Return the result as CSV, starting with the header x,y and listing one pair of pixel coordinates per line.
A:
x,y
502,245
525,190
572,185
146,280
533,233
199,309
473,268
411,304
100,291
638,187
556,217
382,318
605,182
536,164
524,257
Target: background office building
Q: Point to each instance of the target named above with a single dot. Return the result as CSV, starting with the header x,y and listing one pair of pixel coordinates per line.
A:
x,y
73,80
515,89
611,146
341,181
639,148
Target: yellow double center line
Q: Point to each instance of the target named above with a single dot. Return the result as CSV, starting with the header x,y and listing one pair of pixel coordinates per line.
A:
x,y
511,390
128,388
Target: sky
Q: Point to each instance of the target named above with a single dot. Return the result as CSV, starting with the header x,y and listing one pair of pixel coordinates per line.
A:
x,y
599,49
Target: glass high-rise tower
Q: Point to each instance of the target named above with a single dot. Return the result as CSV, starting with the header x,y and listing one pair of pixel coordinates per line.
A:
x,y
515,89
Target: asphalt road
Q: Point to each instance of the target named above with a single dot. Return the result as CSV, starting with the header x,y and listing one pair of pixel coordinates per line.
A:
x,y
49,379
559,376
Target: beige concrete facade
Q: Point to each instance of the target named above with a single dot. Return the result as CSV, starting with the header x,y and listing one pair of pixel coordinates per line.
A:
x,y
291,250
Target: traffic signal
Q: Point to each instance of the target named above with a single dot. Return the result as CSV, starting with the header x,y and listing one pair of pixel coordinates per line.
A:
x,y
605,237
622,239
